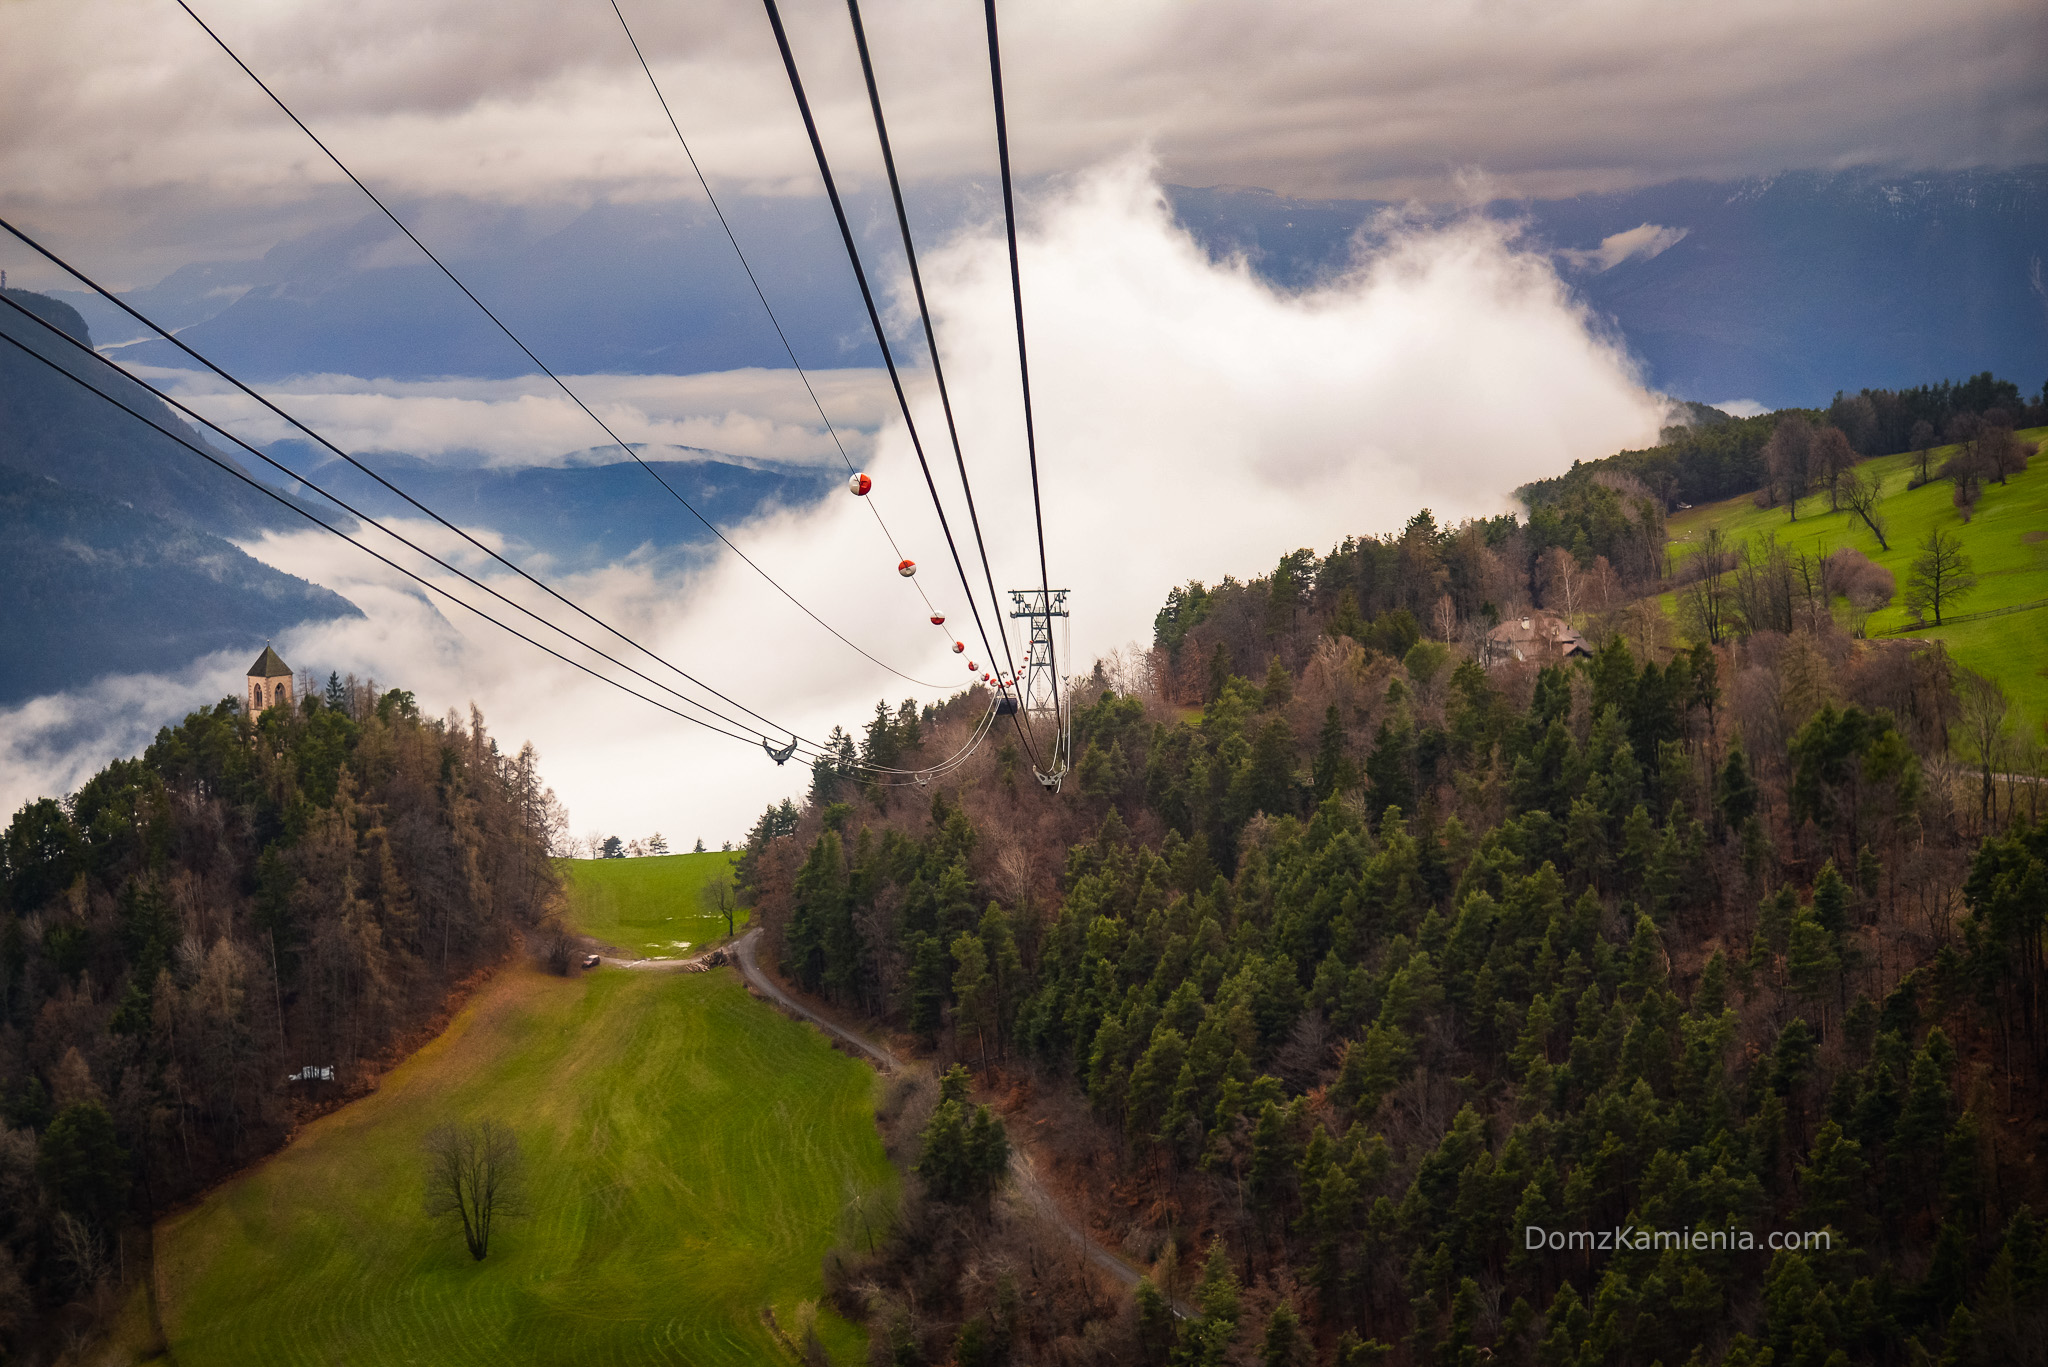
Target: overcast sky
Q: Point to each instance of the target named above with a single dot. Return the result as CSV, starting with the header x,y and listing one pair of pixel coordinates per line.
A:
x,y
128,128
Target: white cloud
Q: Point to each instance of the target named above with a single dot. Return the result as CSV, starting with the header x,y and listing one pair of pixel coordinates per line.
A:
x,y
756,415
1642,242
1742,408
1193,422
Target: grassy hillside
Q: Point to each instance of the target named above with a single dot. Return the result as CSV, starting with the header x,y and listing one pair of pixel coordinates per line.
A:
x,y
689,1154
650,907
2012,568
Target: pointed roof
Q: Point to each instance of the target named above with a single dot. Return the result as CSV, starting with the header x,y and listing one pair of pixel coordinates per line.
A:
x,y
269,666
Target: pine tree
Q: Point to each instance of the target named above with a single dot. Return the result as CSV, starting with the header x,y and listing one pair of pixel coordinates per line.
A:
x,y
1332,768
1735,792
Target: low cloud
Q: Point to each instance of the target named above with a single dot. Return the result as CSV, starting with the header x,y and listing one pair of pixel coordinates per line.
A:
x,y
756,415
1193,422
1636,244
1742,408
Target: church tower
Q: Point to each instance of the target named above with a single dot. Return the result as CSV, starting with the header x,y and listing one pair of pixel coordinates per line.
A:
x,y
270,683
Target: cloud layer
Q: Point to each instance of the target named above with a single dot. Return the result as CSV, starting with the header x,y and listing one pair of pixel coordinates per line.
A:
x,y
758,415
1193,422
110,105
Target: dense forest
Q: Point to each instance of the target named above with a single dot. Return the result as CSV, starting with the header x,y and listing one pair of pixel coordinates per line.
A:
x,y
206,944
1365,992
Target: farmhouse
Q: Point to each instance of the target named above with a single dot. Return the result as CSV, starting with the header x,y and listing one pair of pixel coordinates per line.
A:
x,y
1541,636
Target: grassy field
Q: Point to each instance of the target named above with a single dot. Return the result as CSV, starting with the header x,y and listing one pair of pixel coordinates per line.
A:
x,y
651,908
2011,567
690,1153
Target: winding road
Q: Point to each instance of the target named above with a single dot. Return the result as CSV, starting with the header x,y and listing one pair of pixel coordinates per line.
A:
x,y
1030,1191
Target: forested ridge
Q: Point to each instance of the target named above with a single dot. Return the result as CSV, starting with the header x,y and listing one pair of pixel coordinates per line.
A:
x,y
1345,960
191,929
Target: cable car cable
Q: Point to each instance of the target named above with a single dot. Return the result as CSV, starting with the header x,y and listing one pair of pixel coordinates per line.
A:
x,y
759,293
360,515
995,69
528,351
315,518
803,105
322,441
812,752
924,313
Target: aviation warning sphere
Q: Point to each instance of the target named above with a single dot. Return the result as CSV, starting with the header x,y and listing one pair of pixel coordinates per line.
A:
x,y
907,568
859,484
959,647
938,619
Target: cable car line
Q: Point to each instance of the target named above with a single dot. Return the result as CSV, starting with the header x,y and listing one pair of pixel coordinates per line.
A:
x,y
803,105
924,313
759,293
920,776
322,441
362,516
812,752
315,518
995,70
529,353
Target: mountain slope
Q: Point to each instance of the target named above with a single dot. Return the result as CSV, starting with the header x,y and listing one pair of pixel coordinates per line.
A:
x,y
52,426
98,587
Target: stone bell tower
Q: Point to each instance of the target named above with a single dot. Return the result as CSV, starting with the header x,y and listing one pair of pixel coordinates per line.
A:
x,y
270,683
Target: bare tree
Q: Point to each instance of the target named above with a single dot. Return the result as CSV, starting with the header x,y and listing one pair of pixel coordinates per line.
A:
x,y
1861,495
474,1171
1982,716
1831,459
1785,460
1557,575
1940,575
2000,454
1704,600
726,904
1867,584
1922,442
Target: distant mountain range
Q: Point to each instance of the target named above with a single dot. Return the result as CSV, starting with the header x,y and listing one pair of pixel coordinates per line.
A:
x,y
1780,290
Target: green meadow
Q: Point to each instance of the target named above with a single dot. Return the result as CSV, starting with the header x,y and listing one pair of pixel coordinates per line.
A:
x,y
654,907
689,1154
2006,540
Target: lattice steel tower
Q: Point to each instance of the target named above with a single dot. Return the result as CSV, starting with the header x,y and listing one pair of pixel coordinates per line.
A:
x,y
1041,690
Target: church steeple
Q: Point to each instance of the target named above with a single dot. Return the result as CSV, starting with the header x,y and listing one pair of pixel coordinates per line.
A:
x,y
270,683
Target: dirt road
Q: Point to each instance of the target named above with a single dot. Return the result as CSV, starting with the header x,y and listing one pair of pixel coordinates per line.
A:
x,y
1029,1190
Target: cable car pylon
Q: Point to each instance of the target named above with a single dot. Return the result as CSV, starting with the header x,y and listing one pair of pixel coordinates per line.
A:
x,y
1041,694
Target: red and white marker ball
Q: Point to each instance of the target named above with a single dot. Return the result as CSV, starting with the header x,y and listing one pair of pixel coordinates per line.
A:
x,y
859,485
906,568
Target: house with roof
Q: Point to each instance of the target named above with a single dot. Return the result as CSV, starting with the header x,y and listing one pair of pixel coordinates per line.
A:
x,y
1543,637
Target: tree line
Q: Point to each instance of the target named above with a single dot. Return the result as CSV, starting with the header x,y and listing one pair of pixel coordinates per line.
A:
x,y
1713,456
209,942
